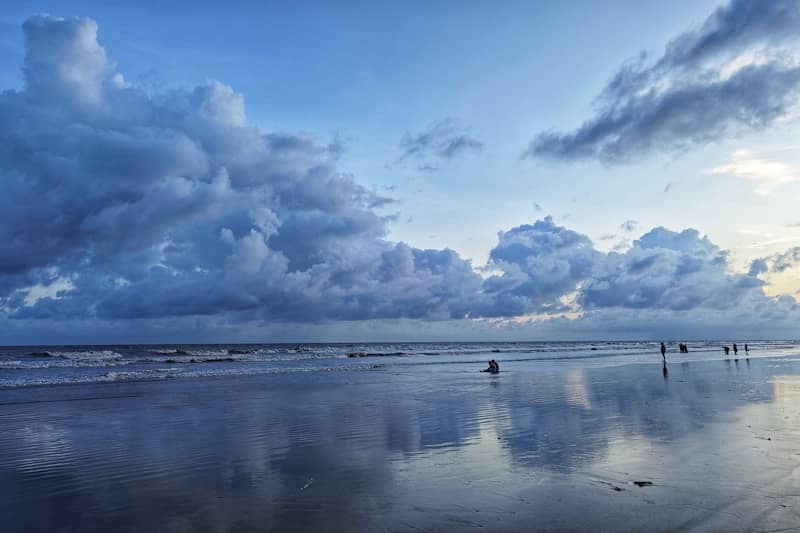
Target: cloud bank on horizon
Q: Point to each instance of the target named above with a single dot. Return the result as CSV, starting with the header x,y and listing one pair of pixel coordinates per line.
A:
x,y
735,73
125,207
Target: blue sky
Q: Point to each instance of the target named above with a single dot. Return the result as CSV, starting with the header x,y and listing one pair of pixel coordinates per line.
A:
x,y
277,171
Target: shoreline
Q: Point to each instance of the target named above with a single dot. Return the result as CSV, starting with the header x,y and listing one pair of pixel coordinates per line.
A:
x,y
214,368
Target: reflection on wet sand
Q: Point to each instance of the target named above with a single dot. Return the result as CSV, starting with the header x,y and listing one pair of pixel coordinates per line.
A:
x,y
438,449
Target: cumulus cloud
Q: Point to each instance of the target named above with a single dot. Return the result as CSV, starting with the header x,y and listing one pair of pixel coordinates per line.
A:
x,y
540,263
127,204
441,140
667,270
738,72
766,174
172,210
171,204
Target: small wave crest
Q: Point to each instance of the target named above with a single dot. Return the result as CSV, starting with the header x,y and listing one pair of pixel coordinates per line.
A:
x,y
159,374
75,359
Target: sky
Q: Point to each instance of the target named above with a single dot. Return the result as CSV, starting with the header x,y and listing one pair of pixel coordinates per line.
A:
x,y
367,171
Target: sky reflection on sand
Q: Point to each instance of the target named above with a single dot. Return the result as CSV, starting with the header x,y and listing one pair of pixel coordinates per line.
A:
x,y
438,448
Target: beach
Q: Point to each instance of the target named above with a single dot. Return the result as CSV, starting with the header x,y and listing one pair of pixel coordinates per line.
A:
x,y
577,444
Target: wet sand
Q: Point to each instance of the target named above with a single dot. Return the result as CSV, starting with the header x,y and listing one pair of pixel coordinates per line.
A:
x,y
545,446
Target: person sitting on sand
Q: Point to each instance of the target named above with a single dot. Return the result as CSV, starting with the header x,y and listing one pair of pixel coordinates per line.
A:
x,y
494,368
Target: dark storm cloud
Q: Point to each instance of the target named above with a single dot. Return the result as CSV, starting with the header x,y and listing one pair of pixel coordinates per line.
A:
x,y
444,139
737,72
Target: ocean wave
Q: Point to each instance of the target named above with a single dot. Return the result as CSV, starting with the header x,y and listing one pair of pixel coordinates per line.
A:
x,y
200,352
88,355
159,374
75,359
189,359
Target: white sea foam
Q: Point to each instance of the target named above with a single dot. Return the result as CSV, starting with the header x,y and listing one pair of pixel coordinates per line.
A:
x,y
168,373
88,355
91,358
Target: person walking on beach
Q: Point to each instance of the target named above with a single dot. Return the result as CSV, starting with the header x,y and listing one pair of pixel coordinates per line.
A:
x,y
727,350
663,353
746,349
735,349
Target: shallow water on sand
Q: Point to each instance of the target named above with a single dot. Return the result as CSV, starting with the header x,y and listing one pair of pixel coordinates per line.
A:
x,y
710,446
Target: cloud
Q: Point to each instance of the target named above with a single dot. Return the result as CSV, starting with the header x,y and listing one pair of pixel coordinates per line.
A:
x,y
441,140
171,212
629,226
171,204
666,270
738,72
540,263
765,173
777,262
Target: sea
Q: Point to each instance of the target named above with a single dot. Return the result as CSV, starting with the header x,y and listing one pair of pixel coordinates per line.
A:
x,y
36,366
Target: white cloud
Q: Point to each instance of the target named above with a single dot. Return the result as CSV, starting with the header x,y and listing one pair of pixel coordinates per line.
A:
x,y
53,290
766,174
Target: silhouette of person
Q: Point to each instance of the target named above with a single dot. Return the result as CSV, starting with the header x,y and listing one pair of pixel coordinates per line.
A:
x,y
735,349
664,353
727,350
746,349
494,368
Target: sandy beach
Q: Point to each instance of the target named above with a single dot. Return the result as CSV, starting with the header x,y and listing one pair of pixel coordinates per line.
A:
x,y
436,447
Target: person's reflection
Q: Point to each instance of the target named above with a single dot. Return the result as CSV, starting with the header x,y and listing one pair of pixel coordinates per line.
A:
x,y
664,371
